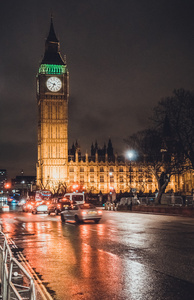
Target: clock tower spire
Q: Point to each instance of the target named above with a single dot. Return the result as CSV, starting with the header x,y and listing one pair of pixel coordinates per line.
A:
x,y
52,101
52,48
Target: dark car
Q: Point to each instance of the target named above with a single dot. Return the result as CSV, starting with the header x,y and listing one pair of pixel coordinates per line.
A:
x,y
58,205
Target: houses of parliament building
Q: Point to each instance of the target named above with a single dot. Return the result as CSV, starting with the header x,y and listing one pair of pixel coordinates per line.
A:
x,y
102,169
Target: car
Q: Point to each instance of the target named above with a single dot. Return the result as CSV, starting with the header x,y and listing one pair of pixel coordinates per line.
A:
x,y
28,206
81,212
57,205
21,202
78,198
40,208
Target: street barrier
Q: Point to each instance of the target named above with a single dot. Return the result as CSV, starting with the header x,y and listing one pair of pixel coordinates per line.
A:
x,y
16,282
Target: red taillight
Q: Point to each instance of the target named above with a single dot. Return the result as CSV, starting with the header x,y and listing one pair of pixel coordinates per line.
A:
x,y
84,213
58,205
99,212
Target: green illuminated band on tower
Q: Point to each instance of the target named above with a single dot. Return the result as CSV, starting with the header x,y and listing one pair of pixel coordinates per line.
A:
x,y
52,69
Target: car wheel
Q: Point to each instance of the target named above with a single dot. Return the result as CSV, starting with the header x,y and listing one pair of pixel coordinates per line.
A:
x,y
62,218
97,221
77,220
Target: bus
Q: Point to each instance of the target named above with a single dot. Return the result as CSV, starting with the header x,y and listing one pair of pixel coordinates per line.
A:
x,y
43,195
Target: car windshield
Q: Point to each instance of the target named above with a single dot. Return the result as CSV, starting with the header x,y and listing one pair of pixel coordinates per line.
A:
x,y
87,206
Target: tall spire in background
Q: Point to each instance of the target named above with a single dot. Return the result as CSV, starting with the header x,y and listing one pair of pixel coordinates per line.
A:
x,y
52,48
52,36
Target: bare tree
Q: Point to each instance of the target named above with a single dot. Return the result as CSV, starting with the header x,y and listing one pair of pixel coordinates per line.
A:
x,y
158,153
180,111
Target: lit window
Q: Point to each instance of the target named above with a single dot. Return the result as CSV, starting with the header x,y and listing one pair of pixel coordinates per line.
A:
x,y
71,179
82,179
121,179
101,178
111,178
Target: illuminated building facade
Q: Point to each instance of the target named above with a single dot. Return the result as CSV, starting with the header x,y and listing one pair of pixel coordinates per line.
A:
x,y
105,171
52,101
101,170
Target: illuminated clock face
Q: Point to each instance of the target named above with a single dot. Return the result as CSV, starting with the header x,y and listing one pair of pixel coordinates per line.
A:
x,y
54,84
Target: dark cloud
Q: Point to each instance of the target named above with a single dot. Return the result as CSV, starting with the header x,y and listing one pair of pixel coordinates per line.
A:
x,y
123,57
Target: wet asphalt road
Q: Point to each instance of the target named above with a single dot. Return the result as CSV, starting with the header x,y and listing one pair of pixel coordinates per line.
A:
x,y
126,256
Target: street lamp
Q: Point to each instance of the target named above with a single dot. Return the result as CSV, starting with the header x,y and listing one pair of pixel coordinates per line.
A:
x,y
23,182
130,156
110,180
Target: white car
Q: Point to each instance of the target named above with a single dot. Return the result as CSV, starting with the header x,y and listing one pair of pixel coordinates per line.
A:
x,y
42,208
21,202
81,212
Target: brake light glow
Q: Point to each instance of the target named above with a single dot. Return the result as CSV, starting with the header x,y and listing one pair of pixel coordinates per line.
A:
x,y
84,213
99,212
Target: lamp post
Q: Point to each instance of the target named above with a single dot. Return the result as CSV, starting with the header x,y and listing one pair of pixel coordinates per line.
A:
x,y
110,187
23,182
130,156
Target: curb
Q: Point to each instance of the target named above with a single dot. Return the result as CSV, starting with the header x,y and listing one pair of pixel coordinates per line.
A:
x,y
172,211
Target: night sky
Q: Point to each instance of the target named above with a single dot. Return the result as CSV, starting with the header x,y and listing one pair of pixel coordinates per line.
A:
x,y
123,57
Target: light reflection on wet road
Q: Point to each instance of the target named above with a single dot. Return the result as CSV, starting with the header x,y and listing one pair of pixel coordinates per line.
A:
x,y
126,256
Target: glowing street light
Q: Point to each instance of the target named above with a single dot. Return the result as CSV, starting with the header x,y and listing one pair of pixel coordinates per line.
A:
x,y
130,154
7,185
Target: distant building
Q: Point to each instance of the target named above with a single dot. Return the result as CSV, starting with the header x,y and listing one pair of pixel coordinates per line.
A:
x,y
24,183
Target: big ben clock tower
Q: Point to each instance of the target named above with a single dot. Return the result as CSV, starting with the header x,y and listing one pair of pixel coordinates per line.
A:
x,y
52,101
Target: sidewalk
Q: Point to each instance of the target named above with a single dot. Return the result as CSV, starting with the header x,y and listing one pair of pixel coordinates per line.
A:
x,y
162,209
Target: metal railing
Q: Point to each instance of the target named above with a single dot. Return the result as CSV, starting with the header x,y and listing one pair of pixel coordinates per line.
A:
x,y
16,282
